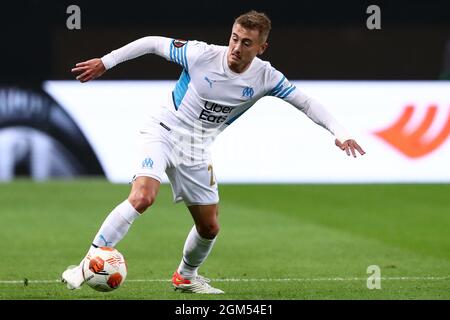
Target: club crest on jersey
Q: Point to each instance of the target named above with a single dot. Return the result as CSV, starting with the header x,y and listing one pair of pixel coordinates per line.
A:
x,y
248,92
147,163
178,43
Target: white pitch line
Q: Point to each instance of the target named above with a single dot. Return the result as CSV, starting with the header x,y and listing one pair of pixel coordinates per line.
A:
x,y
430,278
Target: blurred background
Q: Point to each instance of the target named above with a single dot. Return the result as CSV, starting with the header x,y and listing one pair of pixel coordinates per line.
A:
x,y
330,38
47,123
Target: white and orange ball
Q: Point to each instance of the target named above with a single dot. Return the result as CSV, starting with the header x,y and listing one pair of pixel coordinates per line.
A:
x,y
104,269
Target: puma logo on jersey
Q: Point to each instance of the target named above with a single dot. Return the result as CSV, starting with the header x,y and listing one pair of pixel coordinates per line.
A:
x,y
210,81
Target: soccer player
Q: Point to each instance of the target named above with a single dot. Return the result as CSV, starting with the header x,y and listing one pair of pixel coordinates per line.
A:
x,y
217,85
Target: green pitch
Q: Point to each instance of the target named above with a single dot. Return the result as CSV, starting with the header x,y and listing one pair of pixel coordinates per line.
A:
x,y
276,241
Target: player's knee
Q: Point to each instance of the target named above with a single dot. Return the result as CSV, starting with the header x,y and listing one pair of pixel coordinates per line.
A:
x,y
141,201
208,231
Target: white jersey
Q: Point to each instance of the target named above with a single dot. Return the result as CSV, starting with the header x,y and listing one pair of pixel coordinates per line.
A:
x,y
209,96
208,91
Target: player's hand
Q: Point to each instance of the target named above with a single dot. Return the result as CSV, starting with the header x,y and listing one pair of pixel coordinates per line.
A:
x,y
89,70
349,146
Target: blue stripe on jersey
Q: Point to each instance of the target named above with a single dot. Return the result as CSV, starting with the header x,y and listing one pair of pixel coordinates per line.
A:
x,y
277,87
175,54
180,88
282,93
178,55
236,116
171,52
185,64
292,88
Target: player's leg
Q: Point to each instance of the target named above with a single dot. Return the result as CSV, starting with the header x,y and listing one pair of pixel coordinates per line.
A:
x,y
197,247
200,240
196,185
116,225
151,166
143,193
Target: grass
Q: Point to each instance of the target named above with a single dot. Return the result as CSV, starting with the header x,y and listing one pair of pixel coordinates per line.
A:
x,y
276,241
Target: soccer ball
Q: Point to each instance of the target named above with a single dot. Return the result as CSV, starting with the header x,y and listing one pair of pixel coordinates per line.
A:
x,y
104,269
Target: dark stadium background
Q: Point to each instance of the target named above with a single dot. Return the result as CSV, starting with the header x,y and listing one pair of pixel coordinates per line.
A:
x,y
329,38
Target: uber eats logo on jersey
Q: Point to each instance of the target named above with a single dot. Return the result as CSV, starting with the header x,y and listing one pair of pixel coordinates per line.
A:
x,y
215,113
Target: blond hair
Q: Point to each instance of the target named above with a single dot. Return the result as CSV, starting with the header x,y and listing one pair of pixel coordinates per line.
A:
x,y
256,21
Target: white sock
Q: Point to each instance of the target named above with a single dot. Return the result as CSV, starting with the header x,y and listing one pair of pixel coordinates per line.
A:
x,y
91,248
116,225
196,250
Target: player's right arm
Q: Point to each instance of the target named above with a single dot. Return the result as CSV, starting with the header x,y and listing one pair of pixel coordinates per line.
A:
x,y
170,49
89,70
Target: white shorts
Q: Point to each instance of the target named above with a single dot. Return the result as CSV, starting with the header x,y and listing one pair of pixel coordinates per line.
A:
x,y
195,184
